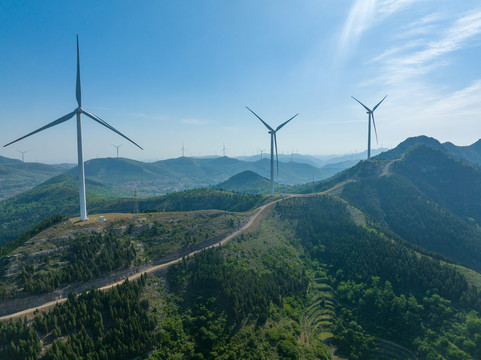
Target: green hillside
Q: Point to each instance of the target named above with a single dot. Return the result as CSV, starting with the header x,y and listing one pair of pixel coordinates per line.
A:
x,y
17,176
153,179
59,196
427,198
307,283
251,183
470,154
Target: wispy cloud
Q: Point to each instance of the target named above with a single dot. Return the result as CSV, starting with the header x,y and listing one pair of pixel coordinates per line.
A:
x,y
389,7
458,104
365,14
357,21
150,116
422,57
192,121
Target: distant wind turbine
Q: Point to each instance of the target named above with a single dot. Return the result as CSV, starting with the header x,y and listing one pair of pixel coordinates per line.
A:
x,y
78,111
223,150
273,141
371,115
182,150
261,151
23,153
117,146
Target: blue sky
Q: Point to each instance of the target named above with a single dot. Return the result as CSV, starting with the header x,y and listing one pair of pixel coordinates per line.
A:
x,y
173,73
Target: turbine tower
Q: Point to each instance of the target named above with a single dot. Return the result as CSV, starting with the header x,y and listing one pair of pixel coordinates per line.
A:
x,y
370,115
117,146
78,111
273,141
23,153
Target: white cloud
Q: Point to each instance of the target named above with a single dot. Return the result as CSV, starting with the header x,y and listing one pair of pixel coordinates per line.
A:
x,y
192,121
420,56
461,103
358,20
388,7
150,116
365,14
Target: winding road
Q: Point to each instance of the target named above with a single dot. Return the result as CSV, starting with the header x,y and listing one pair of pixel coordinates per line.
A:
x,y
251,224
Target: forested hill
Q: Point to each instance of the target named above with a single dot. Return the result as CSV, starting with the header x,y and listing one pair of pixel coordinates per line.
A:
x,y
17,176
316,279
59,196
470,154
426,197
56,196
152,179
251,183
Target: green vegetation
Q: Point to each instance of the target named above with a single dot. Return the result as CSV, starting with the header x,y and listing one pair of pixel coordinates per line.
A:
x,y
94,325
362,277
91,251
60,196
18,176
400,204
306,282
87,257
450,183
184,173
251,183
188,200
5,250
384,289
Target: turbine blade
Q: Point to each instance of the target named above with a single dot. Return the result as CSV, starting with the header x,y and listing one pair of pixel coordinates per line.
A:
x,y
284,123
53,123
100,121
78,90
374,123
267,125
379,103
277,155
365,107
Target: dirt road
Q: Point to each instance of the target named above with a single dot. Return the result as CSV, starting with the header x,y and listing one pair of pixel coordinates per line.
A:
x,y
251,224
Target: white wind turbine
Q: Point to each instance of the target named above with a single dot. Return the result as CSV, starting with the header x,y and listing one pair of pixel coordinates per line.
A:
x,y
273,141
23,154
117,146
78,111
371,115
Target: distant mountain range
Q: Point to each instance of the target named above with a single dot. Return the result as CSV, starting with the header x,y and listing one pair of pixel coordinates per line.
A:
x,y
17,176
152,179
316,160
161,177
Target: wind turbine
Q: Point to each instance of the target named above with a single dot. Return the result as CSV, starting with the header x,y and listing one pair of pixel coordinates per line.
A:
x,y
23,153
223,150
273,141
261,151
117,146
182,150
78,111
370,114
